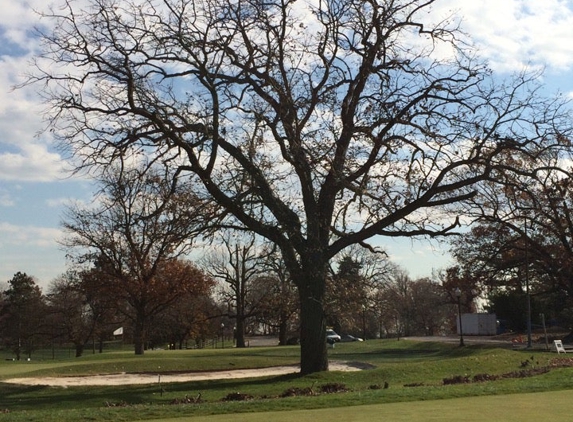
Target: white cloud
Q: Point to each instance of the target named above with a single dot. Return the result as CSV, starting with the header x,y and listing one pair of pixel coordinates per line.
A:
x,y
17,20
13,235
32,163
513,34
6,199
419,257
42,259
58,202
23,155
30,249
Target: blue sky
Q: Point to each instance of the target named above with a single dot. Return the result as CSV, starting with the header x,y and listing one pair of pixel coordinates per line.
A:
x,y
34,183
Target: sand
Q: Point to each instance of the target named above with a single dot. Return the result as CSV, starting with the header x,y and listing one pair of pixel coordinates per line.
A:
x,y
149,378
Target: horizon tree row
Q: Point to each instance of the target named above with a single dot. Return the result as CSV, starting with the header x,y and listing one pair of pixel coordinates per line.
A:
x,y
82,310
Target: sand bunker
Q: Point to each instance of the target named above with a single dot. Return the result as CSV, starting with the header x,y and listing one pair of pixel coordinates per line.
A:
x,y
127,379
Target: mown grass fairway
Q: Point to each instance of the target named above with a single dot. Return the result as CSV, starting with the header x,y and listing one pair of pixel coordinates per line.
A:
x,y
532,407
412,371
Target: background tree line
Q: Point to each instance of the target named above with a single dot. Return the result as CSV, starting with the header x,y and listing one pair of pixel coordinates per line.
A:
x,y
81,311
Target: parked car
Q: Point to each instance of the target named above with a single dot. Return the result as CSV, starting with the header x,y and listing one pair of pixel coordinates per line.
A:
x,y
348,337
332,337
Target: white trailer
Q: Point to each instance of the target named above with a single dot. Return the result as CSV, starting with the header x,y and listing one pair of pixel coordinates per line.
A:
x,y
478,324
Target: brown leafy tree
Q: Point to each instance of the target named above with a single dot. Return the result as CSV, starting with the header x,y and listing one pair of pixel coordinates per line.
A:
x,y
432,314
468,283
134,238
188,315
497,261
346,298
315,125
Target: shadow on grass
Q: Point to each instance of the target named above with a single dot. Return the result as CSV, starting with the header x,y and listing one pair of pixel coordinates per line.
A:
x,y
19,397
416,352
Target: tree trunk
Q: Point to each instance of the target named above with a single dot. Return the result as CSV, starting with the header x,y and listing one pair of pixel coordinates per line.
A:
x,y
240,332
313,353
283,329
79,350
182,340
139,334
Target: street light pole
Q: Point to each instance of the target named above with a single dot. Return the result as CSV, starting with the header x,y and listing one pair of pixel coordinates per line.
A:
x,y
364,322
222,335
527,294
458,294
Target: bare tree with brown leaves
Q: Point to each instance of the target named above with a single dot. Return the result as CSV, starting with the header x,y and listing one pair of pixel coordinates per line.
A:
x,y
134,238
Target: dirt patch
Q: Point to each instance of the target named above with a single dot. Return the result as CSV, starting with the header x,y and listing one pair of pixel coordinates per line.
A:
x,y
130,379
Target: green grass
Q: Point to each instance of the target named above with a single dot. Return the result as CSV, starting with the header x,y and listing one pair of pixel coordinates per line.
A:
x,y
533,407
401,364
153,361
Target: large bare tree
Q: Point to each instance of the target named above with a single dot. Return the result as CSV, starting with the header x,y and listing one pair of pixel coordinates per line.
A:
x,y
316,125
